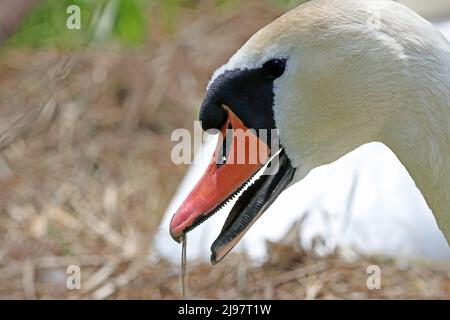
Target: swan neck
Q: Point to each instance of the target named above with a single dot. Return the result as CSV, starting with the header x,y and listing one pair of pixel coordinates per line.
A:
x,y
422,144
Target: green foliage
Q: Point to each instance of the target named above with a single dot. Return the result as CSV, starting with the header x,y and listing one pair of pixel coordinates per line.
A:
x,y
130,26
123,21
101,20
288,4
46,25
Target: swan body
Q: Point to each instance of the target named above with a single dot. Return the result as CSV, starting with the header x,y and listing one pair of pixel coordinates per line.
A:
x,y
356,72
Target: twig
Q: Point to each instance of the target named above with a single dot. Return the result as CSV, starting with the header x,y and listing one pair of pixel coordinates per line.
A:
x,y
278,280
28,280
100,276
292,275
122,280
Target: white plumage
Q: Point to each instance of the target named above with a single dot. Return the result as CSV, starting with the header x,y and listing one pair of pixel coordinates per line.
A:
x,y
388,214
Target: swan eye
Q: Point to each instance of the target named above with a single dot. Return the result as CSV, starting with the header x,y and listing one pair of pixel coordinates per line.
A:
x,y
275,68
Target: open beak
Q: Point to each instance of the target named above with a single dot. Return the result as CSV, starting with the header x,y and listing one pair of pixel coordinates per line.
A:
x,y
239,155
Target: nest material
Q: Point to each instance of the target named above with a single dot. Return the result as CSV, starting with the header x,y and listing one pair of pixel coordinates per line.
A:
x,y
85,175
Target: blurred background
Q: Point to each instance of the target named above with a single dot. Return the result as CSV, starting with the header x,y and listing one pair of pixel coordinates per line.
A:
x,y
86,178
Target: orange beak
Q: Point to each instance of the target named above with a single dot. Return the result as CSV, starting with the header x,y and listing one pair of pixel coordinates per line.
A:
x,y
246,154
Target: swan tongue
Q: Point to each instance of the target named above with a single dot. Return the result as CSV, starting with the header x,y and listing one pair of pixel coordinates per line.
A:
x,y
247,154
250,206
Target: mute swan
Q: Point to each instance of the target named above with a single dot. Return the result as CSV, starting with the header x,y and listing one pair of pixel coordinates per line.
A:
x,y
331,76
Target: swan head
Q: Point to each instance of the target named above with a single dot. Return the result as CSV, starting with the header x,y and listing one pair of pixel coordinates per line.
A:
x,y
329,76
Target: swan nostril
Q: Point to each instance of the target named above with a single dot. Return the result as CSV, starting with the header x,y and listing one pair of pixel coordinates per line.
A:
x,y
226,146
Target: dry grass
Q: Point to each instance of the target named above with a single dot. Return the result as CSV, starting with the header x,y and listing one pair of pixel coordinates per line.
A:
x,y
85,174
